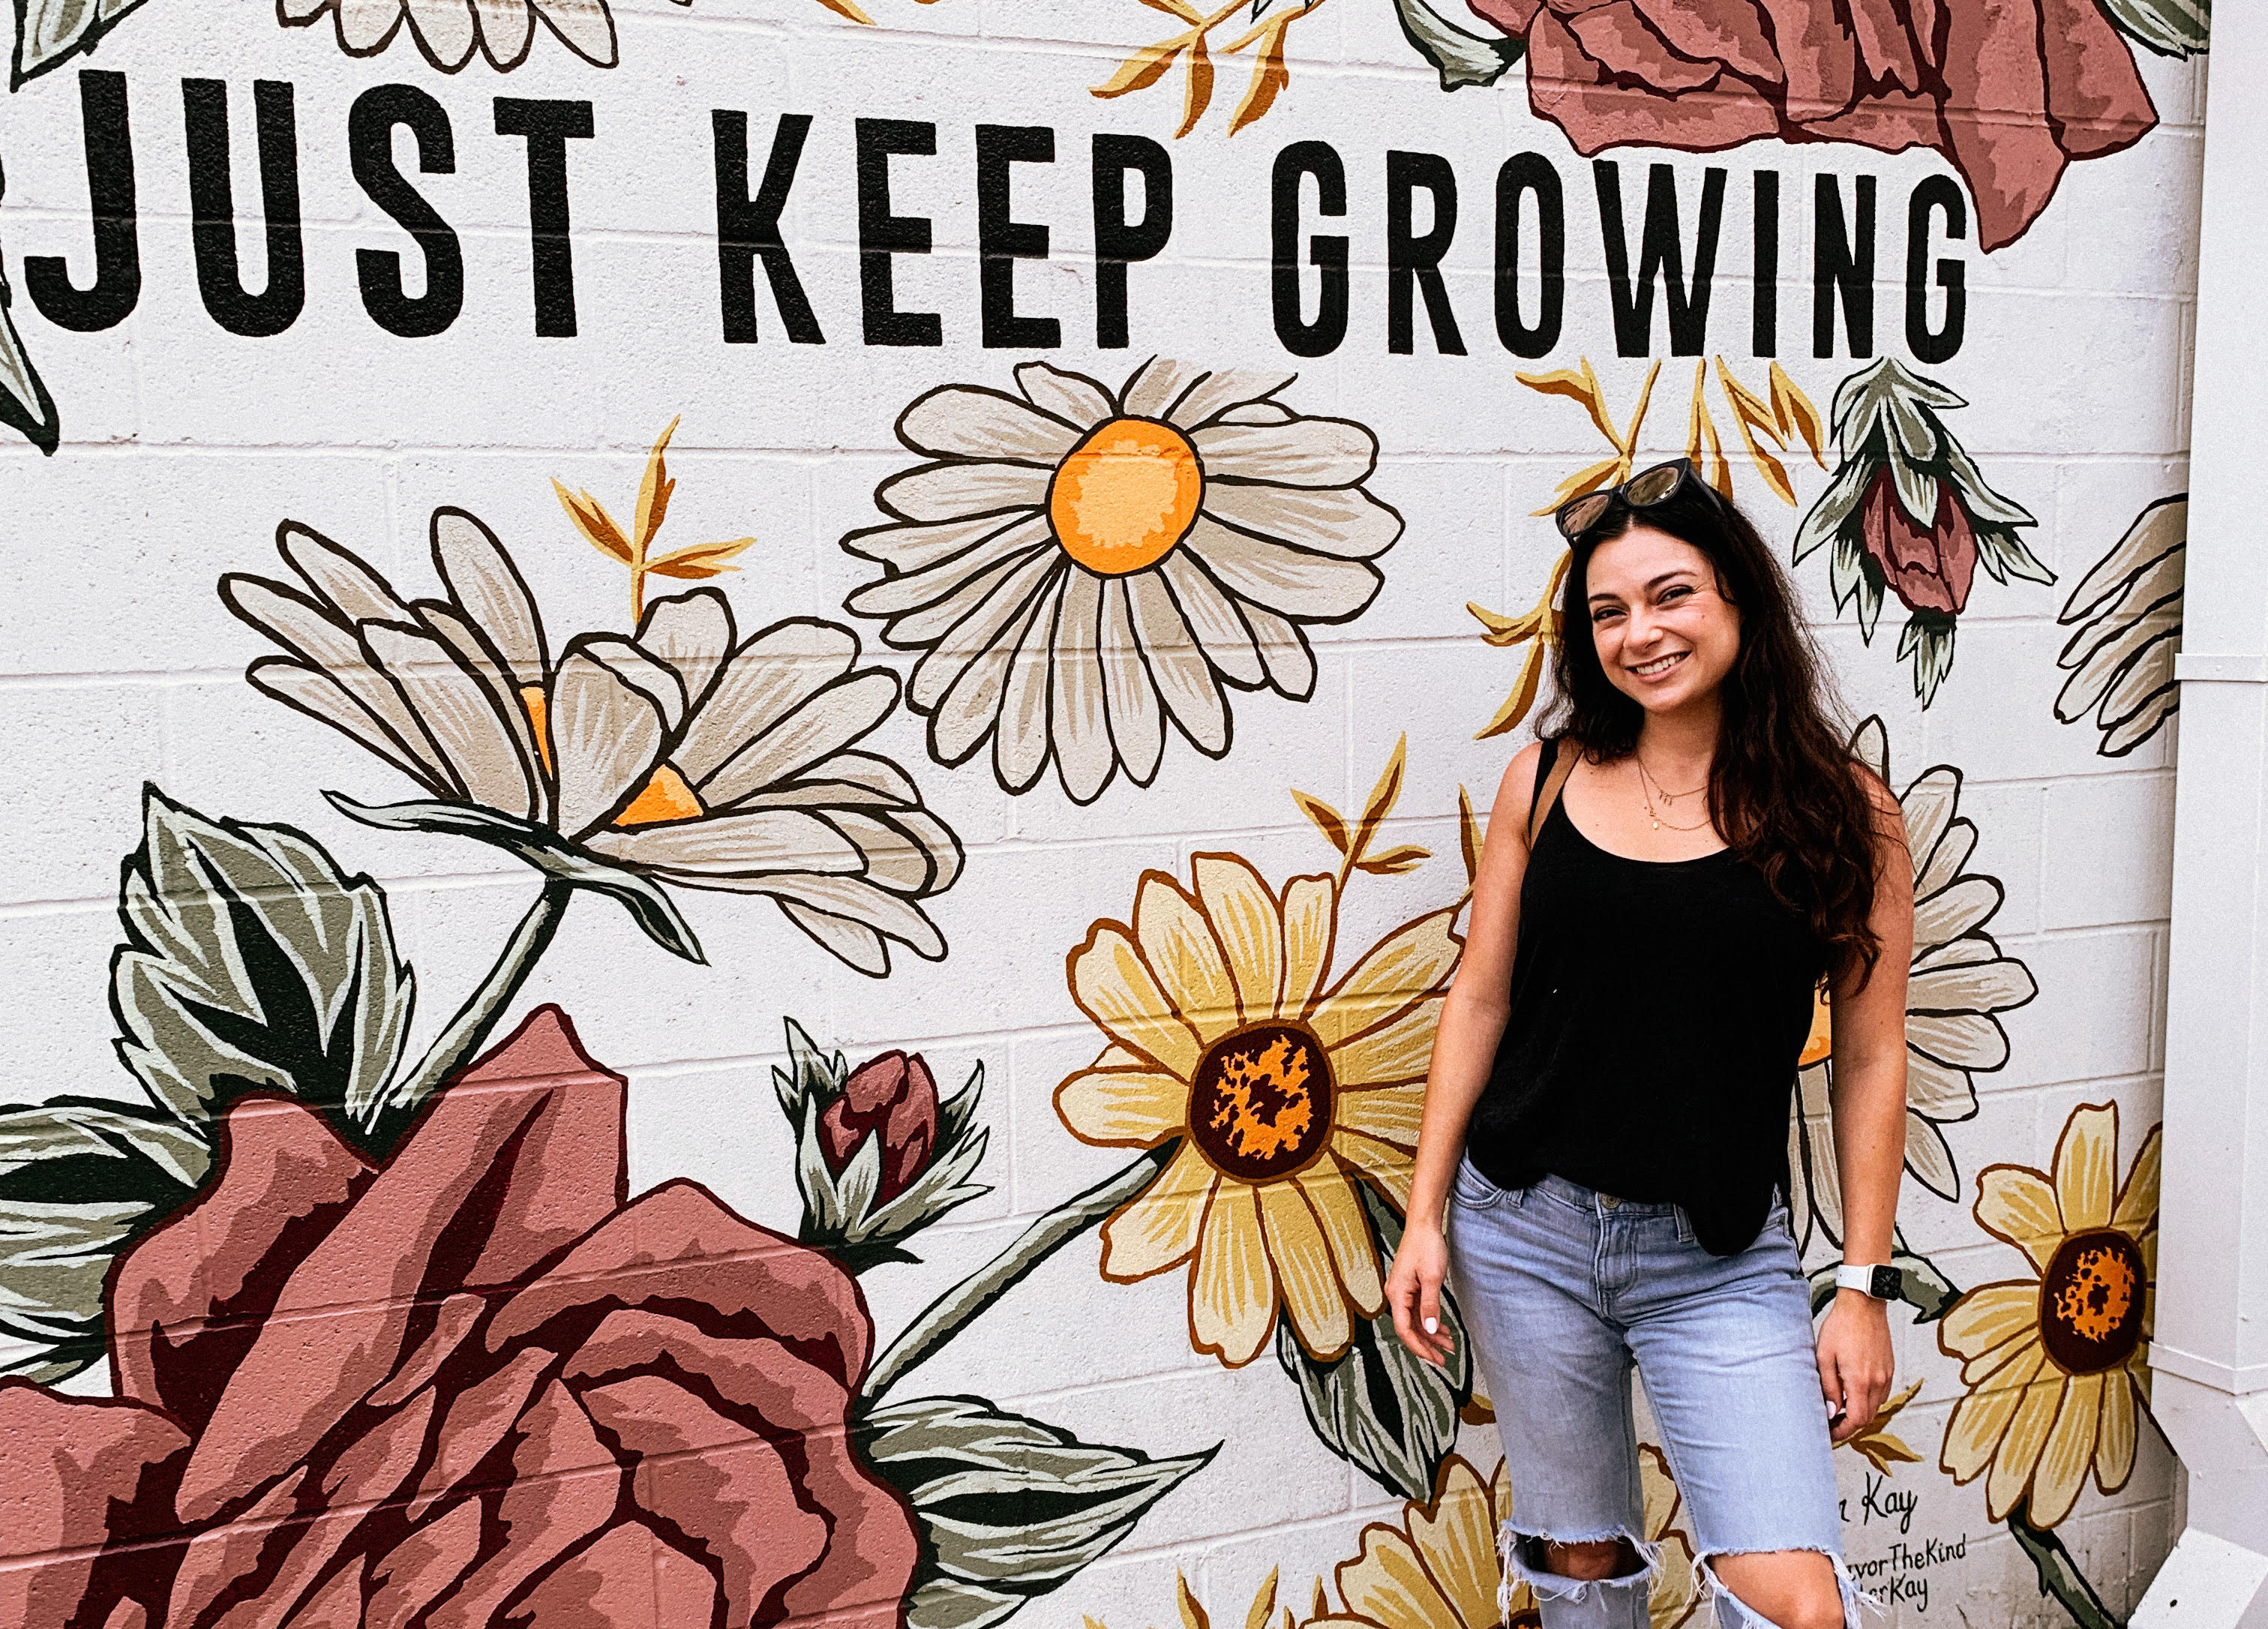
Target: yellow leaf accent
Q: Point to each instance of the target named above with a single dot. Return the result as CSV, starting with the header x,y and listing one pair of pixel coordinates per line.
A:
x,y
1379,804
1701,437
1394,861
1193,1615
1263,1603
1540,631
1270,71
844,8
1142,69
1584,386
1269,74
654,489
1881,1448
1790,406
701,560
1328,820
1754,418
1468,834
1581,386
591,519
1197,89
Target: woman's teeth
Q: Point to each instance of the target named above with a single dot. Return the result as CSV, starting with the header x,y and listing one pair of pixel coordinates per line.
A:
x,y
1658,665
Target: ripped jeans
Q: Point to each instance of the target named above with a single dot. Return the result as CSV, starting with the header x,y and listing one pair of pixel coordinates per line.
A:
x,y
1563,1290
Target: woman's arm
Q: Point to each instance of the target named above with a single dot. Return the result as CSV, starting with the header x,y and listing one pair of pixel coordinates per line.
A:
x,y
1869,1101
1464,1048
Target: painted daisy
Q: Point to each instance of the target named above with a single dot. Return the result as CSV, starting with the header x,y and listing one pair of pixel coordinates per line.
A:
x,y
691,753
1282,1095
1077,565
2058,1366
449,31
1439,1567
1958,984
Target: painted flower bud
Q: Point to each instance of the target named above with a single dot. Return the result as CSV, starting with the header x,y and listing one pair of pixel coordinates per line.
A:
x,y
894,1097
1929,568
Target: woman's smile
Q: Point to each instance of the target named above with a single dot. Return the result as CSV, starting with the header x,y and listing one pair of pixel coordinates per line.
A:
x,y
1659,665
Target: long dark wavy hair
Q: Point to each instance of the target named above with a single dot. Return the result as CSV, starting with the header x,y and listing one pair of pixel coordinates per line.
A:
x,y
1784,789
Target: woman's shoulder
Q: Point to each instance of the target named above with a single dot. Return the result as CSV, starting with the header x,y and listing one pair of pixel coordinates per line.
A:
x,y
1515,794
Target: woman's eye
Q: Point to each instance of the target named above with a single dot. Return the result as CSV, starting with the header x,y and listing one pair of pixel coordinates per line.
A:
x,y
1671,595
1604,614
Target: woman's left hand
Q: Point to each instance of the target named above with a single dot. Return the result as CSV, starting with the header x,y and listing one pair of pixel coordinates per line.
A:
x,y
1855,1361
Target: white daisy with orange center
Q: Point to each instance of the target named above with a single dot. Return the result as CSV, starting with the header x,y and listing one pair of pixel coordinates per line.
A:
x,y
1282,1095
1956,987
1080,565
2058,1366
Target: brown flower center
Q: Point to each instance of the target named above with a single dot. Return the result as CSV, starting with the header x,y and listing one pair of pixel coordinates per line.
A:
x,y
2091,1302
1262,1105
1527,1618
1125,496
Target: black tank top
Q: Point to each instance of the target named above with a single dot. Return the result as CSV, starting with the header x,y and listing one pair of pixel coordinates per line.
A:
x,y
1657,1010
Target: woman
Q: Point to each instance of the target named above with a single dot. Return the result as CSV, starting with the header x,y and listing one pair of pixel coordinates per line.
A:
x,y
1663,889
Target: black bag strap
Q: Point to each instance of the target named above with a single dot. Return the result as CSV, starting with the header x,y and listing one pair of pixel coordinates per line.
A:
x,y
1553,766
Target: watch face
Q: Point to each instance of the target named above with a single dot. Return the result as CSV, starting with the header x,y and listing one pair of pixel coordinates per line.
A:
x,y
1886,1283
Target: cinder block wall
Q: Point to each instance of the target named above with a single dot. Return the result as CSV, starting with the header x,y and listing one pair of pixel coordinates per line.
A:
x,y
826,1022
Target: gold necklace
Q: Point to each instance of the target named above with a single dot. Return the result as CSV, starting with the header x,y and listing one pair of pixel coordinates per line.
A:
x,y
1666,795
1654,814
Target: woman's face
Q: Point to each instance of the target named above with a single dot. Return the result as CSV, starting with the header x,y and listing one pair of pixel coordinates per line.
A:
x,y
1665,634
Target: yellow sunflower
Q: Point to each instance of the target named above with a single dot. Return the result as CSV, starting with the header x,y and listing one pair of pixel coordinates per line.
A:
x,y
2058,1366
1282,1095
1438,1568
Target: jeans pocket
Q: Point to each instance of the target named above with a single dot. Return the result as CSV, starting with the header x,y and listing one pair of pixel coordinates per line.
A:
x,y
1471,1190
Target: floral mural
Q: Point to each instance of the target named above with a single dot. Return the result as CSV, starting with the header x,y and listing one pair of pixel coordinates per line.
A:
x,y
1280,1094
2125,618
1959,983
686,753
1079,564
2010,94
342,1282
1909,510
551,1404
447,33
386,1335
2056,1365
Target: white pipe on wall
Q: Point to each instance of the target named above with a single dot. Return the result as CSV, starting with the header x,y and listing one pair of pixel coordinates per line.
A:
x,y
2210,1351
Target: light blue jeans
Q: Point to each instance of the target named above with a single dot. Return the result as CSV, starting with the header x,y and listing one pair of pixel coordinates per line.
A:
x,y
1563,1290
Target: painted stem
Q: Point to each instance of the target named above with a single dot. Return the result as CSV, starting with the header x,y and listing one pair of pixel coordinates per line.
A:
x,y
461,1038
2059,1575
2059,1572
953,1311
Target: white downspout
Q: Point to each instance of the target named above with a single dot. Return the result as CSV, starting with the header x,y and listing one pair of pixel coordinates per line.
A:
x,y
2210,1351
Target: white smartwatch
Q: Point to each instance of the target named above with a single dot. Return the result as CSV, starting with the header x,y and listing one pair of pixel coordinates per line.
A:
x,y
1881,1282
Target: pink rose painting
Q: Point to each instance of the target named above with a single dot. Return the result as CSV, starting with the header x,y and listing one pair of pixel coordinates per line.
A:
x,y
2010,92
473,1385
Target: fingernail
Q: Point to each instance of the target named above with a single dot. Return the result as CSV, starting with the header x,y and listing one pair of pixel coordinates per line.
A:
x,y
1432,1326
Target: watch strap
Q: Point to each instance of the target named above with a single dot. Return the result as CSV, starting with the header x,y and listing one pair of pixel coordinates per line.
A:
x,y
1879,1280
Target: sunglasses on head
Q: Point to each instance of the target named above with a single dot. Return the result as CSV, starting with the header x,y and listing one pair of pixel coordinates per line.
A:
x,y
1649,489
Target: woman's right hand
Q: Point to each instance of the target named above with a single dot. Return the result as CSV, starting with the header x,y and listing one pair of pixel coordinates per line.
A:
x,y
1413,1290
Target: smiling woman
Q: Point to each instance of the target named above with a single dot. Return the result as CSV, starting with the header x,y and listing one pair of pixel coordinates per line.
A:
x,y
1621,1193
